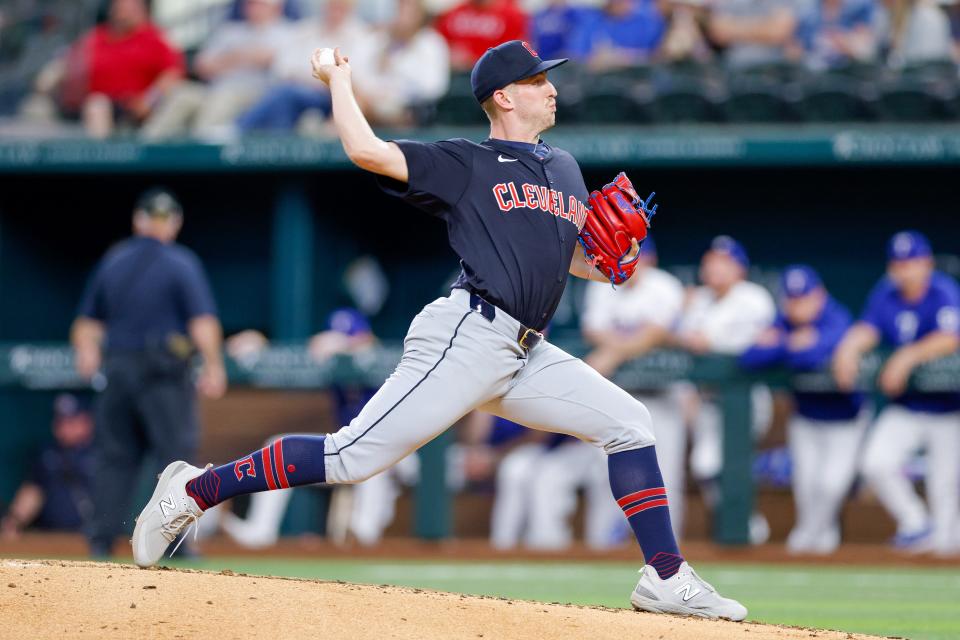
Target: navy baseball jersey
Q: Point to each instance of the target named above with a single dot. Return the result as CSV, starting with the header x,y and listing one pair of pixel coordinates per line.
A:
x,y
900,322
513,212
830,325
144,290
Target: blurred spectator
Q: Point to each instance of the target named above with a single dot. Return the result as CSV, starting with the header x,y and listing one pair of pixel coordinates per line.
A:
x,y
348,331
245,346
409,68
510,517
364,510
235,66
538,477
728,312
291,9
914,32
552,28
726,315
753,32
117,74
295,91
629,322
837,32
474,26
826,433
146,309
685,36
916,311
953,14
56,494
623,33
558,476
493,447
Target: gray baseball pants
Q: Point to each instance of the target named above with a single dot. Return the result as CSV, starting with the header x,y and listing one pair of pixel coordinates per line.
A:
x,y
456,360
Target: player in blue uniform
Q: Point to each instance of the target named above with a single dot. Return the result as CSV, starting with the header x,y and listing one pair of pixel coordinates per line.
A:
x,y
827,429
514,207
916,311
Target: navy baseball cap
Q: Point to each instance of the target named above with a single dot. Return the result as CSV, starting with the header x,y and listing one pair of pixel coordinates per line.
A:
x,y
799,280
67,405
729,246
506,63
159,202
908,244
349,322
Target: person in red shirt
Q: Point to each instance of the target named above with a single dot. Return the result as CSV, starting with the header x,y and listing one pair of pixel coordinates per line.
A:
x,y
119,70
474,26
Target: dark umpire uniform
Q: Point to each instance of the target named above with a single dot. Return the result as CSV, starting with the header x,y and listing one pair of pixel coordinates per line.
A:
x,y
147,309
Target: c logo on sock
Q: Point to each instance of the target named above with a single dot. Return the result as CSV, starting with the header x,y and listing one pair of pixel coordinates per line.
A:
x,y
244,467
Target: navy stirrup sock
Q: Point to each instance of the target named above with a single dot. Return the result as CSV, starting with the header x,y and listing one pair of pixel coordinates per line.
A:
x,y
290,461
638,488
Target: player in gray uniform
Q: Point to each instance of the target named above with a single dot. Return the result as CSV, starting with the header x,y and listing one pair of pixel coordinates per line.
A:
x,y
514,207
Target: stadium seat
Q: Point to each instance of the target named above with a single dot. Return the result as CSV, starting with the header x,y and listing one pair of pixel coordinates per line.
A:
x,y
570,103
906,100
859,71
685,100
569,81
610,98
630,75
758,101
691,70
774,73
459,107
932,71
832,99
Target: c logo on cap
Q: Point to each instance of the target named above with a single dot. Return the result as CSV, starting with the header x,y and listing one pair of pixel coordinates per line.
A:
x,y
796,281
526,45
902,244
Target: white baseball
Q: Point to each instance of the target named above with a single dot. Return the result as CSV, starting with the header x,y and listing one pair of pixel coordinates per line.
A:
x,y
324,57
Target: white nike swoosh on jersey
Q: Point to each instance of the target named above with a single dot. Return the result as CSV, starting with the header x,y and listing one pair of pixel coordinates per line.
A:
x,y
502,159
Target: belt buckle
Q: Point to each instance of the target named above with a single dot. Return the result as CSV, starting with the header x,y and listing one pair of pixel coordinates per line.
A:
x,y
523,339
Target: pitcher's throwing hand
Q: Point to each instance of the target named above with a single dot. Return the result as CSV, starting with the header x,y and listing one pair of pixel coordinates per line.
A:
x,y
325,62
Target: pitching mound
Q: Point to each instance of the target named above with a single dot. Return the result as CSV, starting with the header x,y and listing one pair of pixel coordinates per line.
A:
x,y
52,599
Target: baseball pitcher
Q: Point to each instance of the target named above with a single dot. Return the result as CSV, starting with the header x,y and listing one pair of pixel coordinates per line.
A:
x,y
520,218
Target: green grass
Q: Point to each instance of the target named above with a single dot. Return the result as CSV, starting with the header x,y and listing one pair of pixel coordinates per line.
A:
x,y
917,603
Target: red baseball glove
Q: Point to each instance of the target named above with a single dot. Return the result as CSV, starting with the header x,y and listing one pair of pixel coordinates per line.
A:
x,y
615,218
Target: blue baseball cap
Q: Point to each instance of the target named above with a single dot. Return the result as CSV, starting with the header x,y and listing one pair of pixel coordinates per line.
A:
x,y
729,246
799,280
506,63
67,405
349,322
908,244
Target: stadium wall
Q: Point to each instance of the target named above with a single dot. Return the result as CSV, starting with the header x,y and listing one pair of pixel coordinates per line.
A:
x,y
58,217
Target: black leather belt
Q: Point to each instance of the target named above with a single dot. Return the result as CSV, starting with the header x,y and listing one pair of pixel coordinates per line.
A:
x,y
527,338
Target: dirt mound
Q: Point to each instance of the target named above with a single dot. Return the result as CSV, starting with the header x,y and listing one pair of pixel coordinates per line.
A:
x,y
42,599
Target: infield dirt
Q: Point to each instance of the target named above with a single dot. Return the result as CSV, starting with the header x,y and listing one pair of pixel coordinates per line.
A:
x,y
42,599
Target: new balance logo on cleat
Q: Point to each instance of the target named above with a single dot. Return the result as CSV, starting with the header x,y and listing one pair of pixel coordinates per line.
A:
x,y
687,591
168,505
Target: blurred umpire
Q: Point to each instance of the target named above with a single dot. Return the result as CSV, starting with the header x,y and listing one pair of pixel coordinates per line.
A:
x,y
147,311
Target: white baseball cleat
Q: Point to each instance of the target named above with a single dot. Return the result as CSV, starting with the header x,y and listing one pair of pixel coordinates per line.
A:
x,y
684,593
166,515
